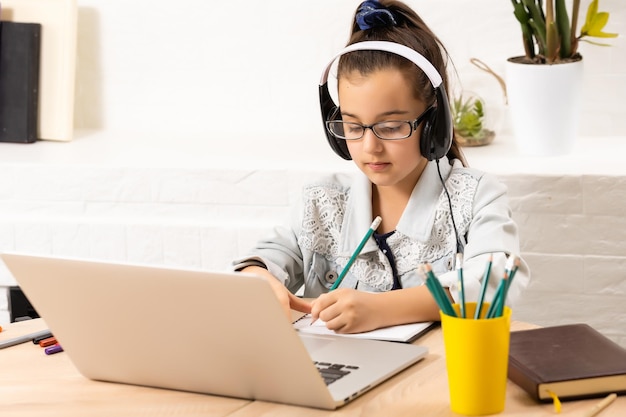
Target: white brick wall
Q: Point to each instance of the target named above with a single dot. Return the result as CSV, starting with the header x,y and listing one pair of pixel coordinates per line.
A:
x,y
570,213
575,248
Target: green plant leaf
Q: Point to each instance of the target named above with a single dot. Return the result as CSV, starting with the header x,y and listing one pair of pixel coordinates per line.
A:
x,y
537,19
540,36
523,17
552,42
520,12
478,108
467,116
563,26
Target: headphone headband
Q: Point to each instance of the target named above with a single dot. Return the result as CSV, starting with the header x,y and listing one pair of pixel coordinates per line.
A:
x,y
395,48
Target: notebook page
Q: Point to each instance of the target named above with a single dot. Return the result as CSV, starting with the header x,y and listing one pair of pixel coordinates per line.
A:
x,y
399,333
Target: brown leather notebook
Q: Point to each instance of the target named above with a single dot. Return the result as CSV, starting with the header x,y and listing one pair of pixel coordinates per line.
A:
x,y
573,361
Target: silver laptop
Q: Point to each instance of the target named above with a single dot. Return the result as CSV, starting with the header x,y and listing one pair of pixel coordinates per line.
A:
x,y
217,333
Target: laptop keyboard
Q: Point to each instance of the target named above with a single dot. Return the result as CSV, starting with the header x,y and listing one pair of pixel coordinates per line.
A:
x,y
331,372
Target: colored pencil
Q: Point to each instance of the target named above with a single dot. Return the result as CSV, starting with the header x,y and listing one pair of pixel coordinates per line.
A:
x,y
459,271
483,289
437,291
358,250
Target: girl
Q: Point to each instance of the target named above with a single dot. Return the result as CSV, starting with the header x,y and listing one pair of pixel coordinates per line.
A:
x,y
393,122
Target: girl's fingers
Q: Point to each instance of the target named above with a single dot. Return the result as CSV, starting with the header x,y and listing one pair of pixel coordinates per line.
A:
x,y
298,304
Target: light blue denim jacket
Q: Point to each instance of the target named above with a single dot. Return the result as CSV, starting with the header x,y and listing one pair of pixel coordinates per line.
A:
x,y
335,213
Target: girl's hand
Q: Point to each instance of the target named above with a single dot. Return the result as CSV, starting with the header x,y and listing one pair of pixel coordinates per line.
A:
x,y
288,301
347,310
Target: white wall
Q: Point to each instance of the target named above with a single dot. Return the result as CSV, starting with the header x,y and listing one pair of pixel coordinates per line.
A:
x,y
243,75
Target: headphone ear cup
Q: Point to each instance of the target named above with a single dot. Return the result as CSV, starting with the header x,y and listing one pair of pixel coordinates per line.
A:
x,y
331,112
426,139
338,145
437,130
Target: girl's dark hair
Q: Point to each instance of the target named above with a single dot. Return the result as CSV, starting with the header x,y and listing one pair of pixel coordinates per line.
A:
x,y
408,29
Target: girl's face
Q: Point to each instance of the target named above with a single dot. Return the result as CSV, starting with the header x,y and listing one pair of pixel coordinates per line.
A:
x,y
383,95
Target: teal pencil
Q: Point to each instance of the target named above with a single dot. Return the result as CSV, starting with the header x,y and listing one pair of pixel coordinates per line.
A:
x,y
358,250
435,293
439,293
459,271
497,305
440,296
511,271
483,289
494,307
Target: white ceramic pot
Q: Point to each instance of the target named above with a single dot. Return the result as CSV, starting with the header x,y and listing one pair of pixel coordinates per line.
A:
x,y
544,106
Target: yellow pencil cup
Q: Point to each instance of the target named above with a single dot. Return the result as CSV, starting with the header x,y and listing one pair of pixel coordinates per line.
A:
x,y
477,354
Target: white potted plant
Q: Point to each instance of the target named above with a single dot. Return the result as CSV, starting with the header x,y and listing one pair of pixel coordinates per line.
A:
x,y
544,85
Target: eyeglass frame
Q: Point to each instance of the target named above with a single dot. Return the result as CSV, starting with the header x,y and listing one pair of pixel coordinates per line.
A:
x,y
413,125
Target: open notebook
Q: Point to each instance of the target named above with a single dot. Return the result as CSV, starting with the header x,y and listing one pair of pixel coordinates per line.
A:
x,y
401,333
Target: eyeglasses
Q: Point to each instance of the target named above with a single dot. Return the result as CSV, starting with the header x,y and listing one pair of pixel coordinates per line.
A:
x,y
387,130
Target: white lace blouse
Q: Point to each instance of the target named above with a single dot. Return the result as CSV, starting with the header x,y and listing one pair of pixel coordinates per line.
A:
x,y
335,213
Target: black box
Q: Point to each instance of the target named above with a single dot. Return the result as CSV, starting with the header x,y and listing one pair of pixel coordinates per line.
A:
x,y
20,45
19,306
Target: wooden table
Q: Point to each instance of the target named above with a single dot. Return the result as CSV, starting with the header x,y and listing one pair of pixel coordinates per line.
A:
x,y
35,384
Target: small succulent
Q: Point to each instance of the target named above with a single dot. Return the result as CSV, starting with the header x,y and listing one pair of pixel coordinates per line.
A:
x,y
467,117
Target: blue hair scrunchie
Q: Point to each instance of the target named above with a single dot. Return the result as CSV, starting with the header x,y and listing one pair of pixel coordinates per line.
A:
x,y
371,14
